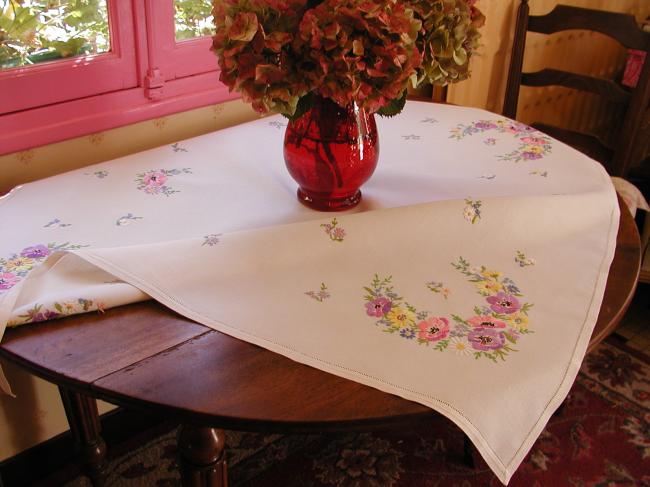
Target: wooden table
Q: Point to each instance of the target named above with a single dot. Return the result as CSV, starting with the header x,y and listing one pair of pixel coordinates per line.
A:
x,y
146,356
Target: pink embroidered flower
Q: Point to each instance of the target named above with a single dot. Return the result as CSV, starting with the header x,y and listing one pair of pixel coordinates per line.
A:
x,y
378,307
433,329
534,140
338,233
154,179
36,252
50,315
486,339
8,280
485,321
504,303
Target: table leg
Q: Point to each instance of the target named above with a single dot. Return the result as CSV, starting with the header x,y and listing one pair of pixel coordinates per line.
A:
x,y
202,456
83,418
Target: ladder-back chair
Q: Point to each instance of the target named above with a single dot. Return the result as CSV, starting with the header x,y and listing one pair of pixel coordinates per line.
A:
x,y
617,155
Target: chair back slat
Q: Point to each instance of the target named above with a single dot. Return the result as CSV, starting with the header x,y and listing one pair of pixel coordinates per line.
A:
x,y
622,27
600,86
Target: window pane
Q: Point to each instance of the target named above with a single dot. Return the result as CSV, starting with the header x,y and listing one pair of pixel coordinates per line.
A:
x,y
193,18
33,31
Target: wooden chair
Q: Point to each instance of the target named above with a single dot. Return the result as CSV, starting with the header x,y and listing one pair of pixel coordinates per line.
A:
x,y
616,155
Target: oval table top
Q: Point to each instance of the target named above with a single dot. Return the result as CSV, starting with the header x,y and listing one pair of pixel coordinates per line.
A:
x,y
146,356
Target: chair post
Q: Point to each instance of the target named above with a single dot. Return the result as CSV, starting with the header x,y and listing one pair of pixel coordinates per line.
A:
x,y
516,61
633,121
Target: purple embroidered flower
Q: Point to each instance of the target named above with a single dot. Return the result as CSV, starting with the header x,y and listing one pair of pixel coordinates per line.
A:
x,y
8,280
504,303
50,315
485,125
408,333
530,156
36,252
486,339
517,127
37,317
378,307
433,329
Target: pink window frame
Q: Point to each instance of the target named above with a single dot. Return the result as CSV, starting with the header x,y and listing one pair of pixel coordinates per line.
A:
x,y
77,77
158,77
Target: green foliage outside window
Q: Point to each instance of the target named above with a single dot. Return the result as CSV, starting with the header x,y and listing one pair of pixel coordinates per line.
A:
x,y
193,18
33,31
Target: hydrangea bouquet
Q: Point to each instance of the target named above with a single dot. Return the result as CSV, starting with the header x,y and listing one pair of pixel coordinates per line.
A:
x,y
279,53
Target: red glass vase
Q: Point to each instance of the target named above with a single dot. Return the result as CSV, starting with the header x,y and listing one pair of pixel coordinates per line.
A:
x,y
331,151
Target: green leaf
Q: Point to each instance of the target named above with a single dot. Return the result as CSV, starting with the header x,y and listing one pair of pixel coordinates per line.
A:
x,y
394,107
458,319
313,3
304,104
510,338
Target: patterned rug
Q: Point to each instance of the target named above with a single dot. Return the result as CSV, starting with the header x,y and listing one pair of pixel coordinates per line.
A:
x,y
599,438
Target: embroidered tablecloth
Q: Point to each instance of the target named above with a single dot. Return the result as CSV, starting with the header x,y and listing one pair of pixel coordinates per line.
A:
x,y
469,279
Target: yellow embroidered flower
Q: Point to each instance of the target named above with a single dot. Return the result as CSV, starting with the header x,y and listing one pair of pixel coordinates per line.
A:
x,y
18,264
535,149
401,317
490,274
487,288
517,320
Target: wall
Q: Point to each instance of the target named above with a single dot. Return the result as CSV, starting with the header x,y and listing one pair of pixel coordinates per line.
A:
x,y
37,414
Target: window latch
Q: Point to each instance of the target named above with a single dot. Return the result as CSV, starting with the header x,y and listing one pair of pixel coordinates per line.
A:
x,y
154,84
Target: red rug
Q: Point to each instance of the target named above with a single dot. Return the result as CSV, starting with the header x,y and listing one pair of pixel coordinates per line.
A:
x,y
599,438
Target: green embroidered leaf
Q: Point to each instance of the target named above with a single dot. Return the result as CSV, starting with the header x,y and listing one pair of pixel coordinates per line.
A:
x,y
509,337
58,307
442,345
458,319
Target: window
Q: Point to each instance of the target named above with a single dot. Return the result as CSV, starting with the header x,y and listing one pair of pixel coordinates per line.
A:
x,y
72,67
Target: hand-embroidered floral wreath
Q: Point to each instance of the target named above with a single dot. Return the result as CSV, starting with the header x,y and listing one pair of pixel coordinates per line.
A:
x,y
533,144
494,328
17,266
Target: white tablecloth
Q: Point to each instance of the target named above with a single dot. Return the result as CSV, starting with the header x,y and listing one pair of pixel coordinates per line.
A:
x,y
469,279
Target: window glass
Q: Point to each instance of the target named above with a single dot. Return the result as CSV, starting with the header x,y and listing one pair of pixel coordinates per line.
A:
x,y
34,31
193,18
